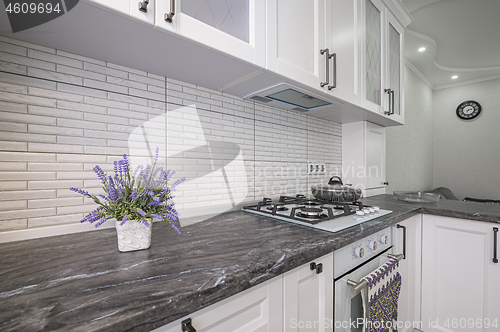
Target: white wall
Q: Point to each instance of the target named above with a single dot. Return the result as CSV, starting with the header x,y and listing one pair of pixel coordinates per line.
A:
x,y
61,114
409,147
466,153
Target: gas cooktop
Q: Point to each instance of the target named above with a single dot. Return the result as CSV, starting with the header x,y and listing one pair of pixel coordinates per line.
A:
x,y
328,216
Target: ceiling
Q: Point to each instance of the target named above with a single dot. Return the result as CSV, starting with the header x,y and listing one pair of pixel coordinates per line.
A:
x,y
461,37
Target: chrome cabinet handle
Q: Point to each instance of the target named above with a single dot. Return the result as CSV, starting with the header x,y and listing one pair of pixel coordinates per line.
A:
x,y
334,56
143,6
317,267
495,245
404,239
169,16
327,51
392,101
388,91
186,326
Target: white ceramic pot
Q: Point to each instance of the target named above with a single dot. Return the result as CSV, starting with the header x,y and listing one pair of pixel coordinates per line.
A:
x,y
133,235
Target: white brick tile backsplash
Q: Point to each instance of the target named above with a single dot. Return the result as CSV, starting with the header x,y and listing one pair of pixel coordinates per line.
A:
x,y
79,90
22,137
13,224
13,146
29,81
13,185
13,205
29,62
13,107
56,184
27,213
54,76
81,73
12,166
104,70
13,49
55,220
80,57
61,114
54,112
36,54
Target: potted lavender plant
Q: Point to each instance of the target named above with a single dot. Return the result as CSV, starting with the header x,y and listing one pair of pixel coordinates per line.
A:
x,y
133,199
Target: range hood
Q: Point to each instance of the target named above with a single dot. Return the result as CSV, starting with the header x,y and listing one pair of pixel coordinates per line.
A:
x,y
288,97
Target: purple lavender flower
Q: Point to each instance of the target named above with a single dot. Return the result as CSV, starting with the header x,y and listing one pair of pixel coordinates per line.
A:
x,y
176,229
157,216
144,221
80,191
102,221
125,217
125,164
153,203
142,213
112,193
100,173
157,154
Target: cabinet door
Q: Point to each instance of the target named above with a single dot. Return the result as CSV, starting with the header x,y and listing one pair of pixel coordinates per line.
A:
x,y
373,54
375,156
410,269
308,297
342,39
258,309
395,69
236,28
460,281
296,34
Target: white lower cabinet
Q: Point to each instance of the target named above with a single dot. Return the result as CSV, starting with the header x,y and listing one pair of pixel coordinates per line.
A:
x,y
290,302
408,240
460,280
308,297
258,309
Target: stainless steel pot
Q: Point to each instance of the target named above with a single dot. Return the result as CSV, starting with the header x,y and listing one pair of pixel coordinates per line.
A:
x,y
335,191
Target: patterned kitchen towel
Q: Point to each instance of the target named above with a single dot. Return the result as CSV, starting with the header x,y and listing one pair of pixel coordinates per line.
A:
x,y
380,299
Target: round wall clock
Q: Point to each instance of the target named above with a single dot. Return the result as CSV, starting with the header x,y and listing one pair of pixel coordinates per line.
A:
x,y
468,110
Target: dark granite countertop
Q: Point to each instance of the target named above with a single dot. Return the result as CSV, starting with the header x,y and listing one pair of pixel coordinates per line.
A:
x,y
81,282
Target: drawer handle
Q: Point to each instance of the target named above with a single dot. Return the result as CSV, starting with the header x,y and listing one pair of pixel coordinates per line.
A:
x,y
317,267
495,245
186,326
169,16
143,6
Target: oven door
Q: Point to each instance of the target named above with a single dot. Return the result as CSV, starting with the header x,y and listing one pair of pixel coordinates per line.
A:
x,y
348,309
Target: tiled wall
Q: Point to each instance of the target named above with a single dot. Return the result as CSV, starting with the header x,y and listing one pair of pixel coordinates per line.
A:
x,y
61,114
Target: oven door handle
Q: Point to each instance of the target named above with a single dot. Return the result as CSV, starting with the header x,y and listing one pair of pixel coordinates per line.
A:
x,y
356,287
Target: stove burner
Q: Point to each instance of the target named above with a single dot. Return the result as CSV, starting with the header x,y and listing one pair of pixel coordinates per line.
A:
x,y
310,203
311,213
279,207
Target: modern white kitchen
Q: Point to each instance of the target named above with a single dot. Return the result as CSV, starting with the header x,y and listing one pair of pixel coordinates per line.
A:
x,y
332,165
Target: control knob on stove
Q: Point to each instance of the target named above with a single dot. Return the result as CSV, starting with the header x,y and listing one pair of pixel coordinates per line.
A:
x,y
359,252
383,239
372,245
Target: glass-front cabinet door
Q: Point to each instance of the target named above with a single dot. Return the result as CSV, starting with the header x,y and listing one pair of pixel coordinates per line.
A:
x,y
233,27
373,54
395,69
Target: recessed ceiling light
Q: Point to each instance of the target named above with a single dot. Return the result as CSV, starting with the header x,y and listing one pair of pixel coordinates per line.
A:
x,y
454,77
421,49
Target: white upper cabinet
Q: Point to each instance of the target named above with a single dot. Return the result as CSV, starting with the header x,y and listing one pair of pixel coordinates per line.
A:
x,y
143,10
342,21
381,60
295,38
236,28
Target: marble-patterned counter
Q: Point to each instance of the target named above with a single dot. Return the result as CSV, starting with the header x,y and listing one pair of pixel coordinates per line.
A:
x,y
81,282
